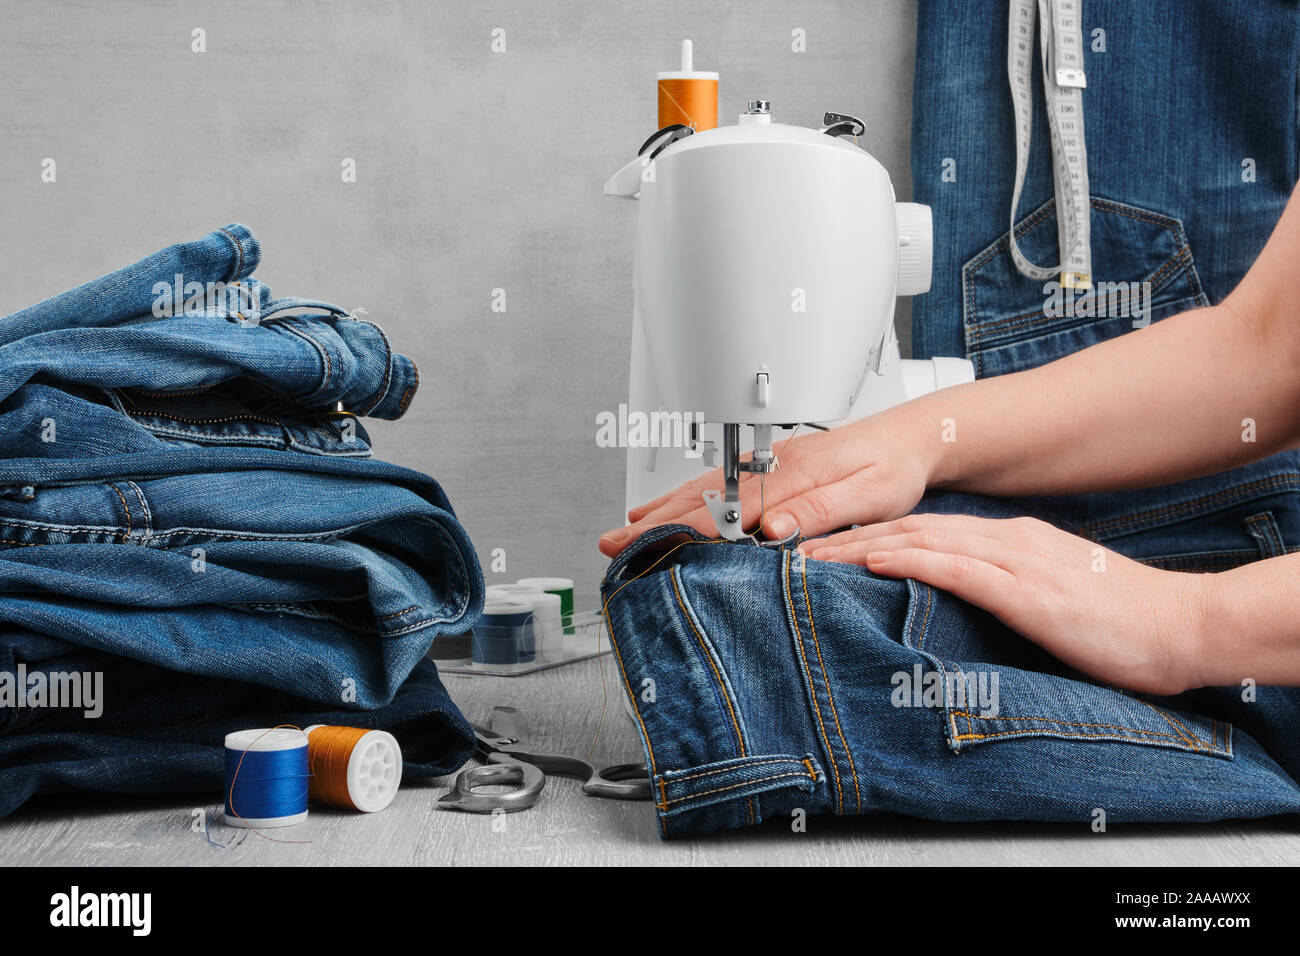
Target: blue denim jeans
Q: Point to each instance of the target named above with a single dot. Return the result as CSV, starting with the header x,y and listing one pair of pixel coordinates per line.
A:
x,y
765,683
1190,116
185,509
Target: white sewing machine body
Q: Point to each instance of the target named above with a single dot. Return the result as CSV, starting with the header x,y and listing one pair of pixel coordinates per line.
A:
x,y
768,260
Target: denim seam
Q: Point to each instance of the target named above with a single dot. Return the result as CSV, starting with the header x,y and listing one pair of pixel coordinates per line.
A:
x,y
1226,559
61,528
1263,528
1179,727
125,507
744,783
950,716
1279,481
1063,733
616,567
1026,225
385,617
1035,219
830,694
1180,260
1016,341
306,610
720,691
210,533
363,452
636,709
1194,744
925,619
239,253
144,506
668,774
613,574
970,729
327,369
410,389
812,691
388,366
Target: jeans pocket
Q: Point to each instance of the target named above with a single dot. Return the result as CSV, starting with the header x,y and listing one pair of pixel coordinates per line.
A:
x,y
244,413
1212,523
1030,704
1143,272
986,700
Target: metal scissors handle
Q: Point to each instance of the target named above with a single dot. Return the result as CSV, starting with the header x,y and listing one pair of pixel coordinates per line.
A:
x,y
508,763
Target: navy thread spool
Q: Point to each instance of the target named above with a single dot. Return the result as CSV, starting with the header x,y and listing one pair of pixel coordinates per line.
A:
x,y
266,778
503,635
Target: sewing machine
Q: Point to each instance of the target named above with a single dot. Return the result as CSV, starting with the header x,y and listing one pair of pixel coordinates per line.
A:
x,y
768,259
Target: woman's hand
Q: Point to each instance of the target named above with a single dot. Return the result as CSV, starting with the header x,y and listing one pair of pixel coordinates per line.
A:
x,y
871,470
1112,618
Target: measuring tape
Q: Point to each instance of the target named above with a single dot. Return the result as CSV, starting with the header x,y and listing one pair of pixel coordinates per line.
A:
x,y
1061,44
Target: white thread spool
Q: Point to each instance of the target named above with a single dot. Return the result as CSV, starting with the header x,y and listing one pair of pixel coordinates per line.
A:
x,y
548,625
564,588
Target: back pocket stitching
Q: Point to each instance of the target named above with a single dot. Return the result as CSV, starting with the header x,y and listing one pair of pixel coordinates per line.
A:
x,y
1270,483
1180,262
1195,744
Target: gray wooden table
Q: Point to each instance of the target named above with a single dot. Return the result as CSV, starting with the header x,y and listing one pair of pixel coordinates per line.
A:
x,y
563,707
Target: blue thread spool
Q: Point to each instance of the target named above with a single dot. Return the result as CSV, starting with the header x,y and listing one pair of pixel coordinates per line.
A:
x,y
503,636
270,789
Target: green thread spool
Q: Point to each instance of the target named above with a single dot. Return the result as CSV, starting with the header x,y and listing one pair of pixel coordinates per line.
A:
x,y
563,587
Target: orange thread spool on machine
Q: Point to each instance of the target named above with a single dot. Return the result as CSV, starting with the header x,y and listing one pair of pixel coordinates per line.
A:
x,y
688,96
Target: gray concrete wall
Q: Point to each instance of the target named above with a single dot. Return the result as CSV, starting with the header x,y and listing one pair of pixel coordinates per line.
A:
x,y
475,170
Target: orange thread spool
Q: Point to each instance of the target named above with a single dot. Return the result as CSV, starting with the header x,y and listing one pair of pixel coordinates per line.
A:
x,y
688,96
690,102
352,768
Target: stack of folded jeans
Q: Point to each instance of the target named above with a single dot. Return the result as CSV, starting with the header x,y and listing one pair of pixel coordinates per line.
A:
x,y
194,538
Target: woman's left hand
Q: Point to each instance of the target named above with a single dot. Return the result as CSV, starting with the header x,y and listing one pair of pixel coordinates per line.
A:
x,y
1112,618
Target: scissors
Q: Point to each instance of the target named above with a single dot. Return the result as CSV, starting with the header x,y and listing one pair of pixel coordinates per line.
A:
x,y
508,763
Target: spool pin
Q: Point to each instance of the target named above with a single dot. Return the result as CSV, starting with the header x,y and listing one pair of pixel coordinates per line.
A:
x,y
688,96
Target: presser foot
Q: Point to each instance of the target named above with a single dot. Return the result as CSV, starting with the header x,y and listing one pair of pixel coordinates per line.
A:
x,y
726,515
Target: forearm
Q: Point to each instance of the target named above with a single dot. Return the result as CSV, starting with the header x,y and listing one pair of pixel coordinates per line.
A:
x,y
1248,628
1197,393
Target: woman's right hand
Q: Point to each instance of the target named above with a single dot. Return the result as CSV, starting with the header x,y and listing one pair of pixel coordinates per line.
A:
x,y
873,470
